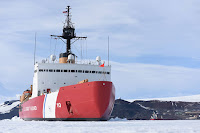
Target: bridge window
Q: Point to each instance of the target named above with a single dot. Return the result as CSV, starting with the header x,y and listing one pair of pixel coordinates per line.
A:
x,y
73,71
80,71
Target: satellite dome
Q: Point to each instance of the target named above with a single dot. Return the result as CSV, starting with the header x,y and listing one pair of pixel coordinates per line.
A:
x,y
71,57
98,58
53,57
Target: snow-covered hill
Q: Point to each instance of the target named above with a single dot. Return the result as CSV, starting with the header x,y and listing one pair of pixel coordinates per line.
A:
x,y
192,98
8,106
9,109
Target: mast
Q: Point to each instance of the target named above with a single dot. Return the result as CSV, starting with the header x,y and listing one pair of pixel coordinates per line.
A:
x,y
68,34
68,7
35,47
68,31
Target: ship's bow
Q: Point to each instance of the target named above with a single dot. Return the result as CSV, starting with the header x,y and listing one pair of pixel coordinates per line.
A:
x,y
86,101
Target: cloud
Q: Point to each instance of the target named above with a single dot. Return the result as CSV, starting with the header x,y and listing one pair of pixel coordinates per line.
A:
x,y
167,28
8,98
136,80
1,88
136,29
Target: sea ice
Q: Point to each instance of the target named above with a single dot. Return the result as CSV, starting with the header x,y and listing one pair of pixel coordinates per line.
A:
x,y
16,125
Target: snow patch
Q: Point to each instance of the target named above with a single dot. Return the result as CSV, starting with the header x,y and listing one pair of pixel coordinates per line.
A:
x,y
147,108
6,108
15,118
118,119
192,98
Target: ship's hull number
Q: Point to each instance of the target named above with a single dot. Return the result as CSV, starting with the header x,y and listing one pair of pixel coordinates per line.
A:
x,y
58,105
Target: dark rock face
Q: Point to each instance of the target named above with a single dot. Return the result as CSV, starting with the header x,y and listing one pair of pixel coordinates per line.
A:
x,y
13,112
125,109
143,110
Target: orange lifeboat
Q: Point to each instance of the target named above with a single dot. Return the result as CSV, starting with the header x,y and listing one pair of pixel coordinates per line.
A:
x,y
26,95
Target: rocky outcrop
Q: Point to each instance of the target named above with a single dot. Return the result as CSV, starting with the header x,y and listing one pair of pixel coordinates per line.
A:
x,y
125,109
167,110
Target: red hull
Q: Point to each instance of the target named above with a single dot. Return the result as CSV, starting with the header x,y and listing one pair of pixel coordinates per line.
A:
x,y
86,101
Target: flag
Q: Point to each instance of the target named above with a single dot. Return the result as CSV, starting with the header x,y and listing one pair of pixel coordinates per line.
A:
x,y
101,65
64,11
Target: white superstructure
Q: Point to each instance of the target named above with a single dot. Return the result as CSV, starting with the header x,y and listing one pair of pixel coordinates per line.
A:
x,y
52,76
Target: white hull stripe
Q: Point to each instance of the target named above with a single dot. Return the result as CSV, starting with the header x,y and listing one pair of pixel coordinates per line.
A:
x,y
49,106
44,105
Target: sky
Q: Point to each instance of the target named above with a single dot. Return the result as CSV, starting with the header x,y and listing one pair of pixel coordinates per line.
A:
x,y
154,45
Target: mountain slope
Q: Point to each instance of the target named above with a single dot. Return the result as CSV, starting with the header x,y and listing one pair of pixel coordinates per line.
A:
x,y
9,109
192,98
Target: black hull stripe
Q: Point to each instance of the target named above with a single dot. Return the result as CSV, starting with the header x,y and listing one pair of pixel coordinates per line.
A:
x,y
64,119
